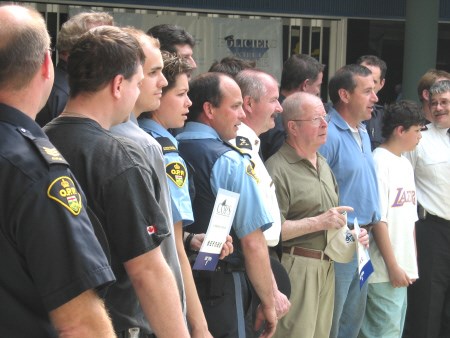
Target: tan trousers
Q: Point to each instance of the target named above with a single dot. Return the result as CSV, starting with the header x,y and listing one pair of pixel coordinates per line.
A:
x,y
312,298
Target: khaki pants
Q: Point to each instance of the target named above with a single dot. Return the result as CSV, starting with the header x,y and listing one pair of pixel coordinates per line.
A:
x,y
312,298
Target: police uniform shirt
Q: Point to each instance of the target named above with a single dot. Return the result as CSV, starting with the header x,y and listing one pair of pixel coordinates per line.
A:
x,y
124,193
431,163
176,171
248,142
49,253
234,172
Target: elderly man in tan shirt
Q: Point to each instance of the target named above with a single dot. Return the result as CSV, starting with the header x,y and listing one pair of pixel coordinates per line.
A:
x,y
307,193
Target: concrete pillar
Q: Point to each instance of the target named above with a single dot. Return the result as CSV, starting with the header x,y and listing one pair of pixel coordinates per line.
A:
x,y
421,35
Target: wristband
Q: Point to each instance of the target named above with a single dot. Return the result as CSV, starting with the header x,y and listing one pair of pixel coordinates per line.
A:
x,y
187,242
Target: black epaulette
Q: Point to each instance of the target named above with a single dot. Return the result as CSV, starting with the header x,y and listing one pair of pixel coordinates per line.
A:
x,y
45,148
235,148
243,143
167,145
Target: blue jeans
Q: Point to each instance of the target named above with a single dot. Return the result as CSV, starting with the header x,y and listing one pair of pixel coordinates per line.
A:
x,y
349,301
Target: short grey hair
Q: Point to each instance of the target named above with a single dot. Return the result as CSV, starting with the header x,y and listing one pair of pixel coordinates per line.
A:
x,y
251,82
440,87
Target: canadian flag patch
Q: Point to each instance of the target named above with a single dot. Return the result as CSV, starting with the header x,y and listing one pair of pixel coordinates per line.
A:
x,y
151,229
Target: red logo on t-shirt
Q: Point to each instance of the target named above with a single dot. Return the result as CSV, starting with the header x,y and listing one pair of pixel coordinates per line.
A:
x,y
151,229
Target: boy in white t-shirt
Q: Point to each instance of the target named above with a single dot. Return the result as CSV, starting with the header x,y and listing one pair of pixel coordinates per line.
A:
x,y
392,246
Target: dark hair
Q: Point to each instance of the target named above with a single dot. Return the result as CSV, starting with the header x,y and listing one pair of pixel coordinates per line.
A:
x,y
344,78
375,61
100,55
204,88
174,65
171,35
402,113
297,69
231,65
22,48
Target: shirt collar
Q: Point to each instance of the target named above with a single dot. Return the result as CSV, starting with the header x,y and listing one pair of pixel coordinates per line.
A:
x,y
337,119
16,117
197,130
153,126
249,133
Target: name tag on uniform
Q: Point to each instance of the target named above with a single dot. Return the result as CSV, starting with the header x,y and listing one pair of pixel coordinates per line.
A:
x,y
218,229
365,266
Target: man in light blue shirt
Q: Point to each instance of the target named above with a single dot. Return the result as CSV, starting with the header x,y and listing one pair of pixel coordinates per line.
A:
x,y
348,152
215,115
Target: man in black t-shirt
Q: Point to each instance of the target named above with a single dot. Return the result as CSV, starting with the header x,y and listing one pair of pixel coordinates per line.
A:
x,y
105,74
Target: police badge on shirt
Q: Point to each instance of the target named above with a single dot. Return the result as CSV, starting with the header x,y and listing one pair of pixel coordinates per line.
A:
x,y
177,173
63,191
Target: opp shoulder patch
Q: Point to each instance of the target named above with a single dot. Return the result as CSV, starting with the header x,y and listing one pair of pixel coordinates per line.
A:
x,y
250,171
176,172
63,191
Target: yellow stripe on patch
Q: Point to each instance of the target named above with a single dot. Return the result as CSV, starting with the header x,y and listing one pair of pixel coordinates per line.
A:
x,y
63,191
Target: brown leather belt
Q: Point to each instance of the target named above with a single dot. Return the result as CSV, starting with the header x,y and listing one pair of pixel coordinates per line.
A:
x,y
310,253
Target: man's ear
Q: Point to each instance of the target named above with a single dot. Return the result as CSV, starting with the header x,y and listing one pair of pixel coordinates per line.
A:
x,y
247,104
117,83
292,127
47,66
344,95
426,94
382,82
208,109
303,85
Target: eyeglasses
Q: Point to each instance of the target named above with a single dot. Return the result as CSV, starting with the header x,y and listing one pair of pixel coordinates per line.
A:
x,y
317,120
443,103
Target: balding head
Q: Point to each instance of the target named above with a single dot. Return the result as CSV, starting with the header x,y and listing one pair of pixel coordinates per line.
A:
x,y
297,105
305,121
24,42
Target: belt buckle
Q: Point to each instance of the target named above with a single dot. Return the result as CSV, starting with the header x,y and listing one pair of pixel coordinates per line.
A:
x,y
133,332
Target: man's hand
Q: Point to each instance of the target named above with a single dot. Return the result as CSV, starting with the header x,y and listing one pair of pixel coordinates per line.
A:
x,y
282,303
363,237
334,218
197,241
227,248
268,316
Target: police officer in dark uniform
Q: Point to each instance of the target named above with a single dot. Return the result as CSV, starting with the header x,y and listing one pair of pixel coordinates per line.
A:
x,y
50,258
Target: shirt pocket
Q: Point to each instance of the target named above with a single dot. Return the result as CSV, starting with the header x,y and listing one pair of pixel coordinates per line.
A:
x,y
437,163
